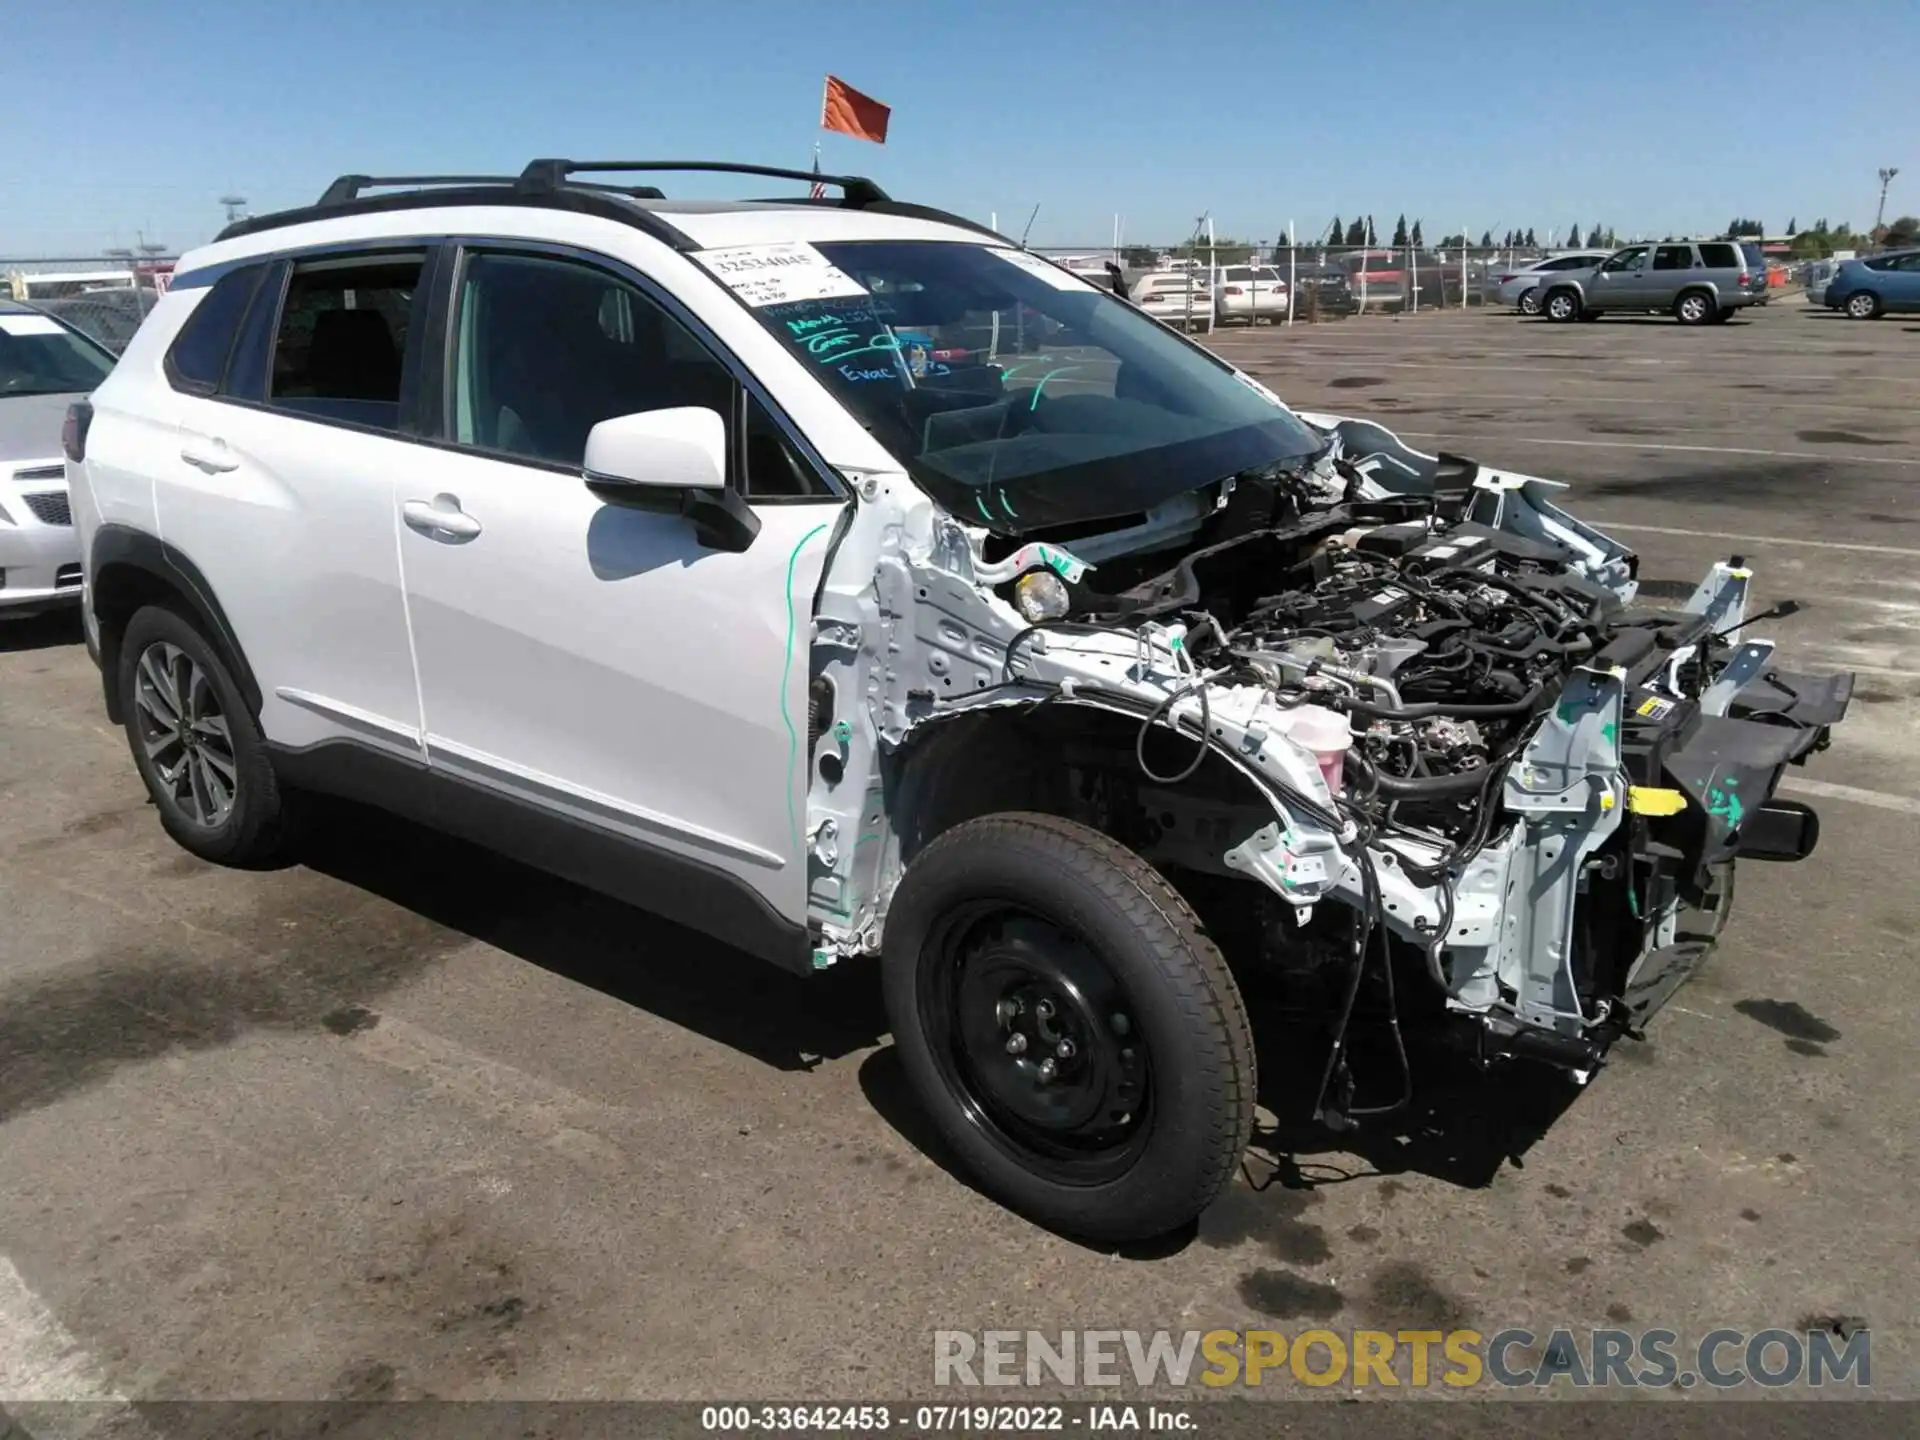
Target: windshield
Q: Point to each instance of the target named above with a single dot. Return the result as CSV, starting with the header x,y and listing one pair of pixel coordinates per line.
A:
x,y
1019,396
40,356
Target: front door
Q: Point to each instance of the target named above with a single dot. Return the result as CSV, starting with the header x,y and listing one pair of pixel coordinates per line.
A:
x,y
590,661
1621,283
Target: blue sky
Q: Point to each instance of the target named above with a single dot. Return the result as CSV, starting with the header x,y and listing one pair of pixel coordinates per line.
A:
x,y
1642,115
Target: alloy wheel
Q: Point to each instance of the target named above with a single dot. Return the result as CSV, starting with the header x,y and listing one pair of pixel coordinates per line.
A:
x,y
184,735
1530,302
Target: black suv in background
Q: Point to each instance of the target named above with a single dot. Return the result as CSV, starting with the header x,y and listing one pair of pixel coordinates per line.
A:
x,y
1320,290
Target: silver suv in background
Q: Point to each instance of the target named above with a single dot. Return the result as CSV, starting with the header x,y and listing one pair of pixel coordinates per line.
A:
x,y
1694,281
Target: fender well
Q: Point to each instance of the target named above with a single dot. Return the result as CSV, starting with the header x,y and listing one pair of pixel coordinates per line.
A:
x,y
128,569
1065,758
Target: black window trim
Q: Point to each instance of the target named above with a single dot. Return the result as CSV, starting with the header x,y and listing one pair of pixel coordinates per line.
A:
x,y
206,389
428,247
436,425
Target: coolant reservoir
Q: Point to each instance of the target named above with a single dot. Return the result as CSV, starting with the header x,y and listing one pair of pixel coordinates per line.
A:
x,y
1322,732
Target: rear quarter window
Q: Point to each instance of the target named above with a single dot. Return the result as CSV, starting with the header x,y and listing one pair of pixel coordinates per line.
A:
x,y
1721,257
197,359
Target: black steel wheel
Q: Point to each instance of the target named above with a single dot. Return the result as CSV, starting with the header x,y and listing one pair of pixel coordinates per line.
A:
x,y
1068,1026
1040,1048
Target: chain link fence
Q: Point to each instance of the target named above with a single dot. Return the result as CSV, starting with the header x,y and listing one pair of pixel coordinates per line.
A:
x,y
1207,287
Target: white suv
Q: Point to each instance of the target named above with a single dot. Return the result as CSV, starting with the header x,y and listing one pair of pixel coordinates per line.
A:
x,y
838,578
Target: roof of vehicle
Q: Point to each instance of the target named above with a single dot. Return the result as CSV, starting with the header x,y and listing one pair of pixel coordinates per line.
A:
x,y
863,212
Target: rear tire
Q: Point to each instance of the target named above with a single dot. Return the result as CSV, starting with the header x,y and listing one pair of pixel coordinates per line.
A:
x,y
1694,307
1530,302
1863,305
1562,306
1068,1026
197,747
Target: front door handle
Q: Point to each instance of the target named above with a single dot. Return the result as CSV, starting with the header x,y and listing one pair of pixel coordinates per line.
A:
x,y
212,456
440,518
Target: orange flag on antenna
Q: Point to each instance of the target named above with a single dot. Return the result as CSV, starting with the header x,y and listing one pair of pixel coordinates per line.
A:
x,y
845,109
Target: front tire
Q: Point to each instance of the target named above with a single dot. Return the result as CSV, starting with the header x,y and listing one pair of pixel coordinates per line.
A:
x,y
1068,1026
1863,305
196,745
1563,305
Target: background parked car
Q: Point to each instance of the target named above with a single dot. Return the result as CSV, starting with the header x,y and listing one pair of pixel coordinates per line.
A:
x,y
1378,278
108,316
1249,294
1759,282
1522,288
1886,284
1179,297
1320,291
1815,276
45,365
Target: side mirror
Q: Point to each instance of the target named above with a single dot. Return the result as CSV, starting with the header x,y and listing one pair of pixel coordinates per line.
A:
x,y
672,462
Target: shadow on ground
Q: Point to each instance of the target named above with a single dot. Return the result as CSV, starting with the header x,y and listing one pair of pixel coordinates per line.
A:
x,y
45,631
788,1021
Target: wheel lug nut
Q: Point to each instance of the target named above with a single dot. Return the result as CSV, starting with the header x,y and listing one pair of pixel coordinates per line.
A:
x,y
1120,1024
1064,1050
1048,1069
1005,1011
1016,1044
1045,1009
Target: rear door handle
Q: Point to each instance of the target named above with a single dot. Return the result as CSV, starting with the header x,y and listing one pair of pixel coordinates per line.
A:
x,y
209,455
440,518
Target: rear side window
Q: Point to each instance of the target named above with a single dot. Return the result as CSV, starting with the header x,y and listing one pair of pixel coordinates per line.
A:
x,y
197,359
1673,257
342,335
1568,262
1720,257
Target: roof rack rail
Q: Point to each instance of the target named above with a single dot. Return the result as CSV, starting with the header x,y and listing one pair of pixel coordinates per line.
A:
x,y
347,188
552,174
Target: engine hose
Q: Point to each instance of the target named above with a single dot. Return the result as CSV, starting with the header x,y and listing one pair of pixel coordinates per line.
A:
x,y
1441,707
1367,778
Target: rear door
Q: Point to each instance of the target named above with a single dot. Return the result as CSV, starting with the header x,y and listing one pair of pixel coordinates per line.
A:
x,y
593,663
1672,271
280,489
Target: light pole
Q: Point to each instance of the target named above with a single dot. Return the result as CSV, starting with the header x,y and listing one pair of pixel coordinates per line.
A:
x,y
1887,172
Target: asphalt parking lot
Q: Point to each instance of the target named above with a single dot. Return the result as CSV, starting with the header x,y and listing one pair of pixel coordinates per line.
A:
x,y
408,1120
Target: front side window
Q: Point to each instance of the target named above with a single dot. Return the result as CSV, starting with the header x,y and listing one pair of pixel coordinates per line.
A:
x,y
1021,397
1634,258
545,349
40,356
341,338
1673,257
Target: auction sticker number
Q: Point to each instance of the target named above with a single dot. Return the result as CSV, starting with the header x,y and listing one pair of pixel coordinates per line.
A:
x,y
775,274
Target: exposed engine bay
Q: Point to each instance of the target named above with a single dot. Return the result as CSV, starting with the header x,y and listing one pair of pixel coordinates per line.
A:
x,y
1406,704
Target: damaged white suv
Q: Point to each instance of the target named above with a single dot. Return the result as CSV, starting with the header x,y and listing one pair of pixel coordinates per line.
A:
x,y
836,578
